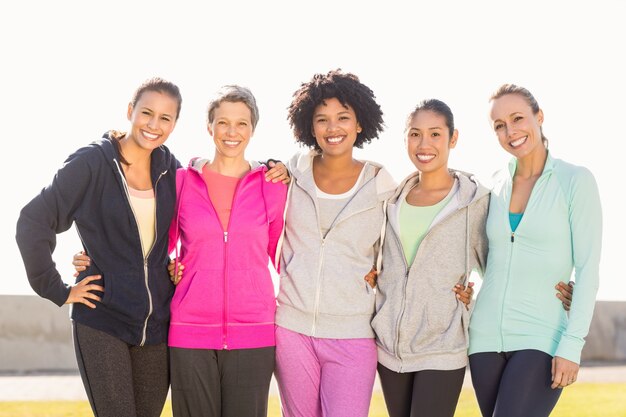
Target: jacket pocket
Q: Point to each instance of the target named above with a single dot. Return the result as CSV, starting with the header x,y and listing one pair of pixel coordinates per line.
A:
x,y
384,324
251,295
126,296
199,300
346,294
445,328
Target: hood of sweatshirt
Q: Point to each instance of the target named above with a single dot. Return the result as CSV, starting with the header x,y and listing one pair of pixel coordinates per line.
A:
x,y
468,189
198,163
161,157
300,163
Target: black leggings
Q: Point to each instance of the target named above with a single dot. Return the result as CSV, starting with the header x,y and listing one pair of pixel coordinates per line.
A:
x,y
121,379
427,393
513,384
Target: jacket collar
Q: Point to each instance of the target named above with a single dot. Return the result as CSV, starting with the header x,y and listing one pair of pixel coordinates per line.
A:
x,y
197,164
468,189
547,168
161,158
301,166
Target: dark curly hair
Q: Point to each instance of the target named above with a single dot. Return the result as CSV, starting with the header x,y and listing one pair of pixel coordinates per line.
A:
x,y
346,88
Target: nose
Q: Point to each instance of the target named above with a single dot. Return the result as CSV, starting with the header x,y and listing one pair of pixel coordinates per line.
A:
x,y
153,123
331,125
509,131
231,131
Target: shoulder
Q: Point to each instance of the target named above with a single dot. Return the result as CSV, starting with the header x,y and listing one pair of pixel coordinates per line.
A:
x,y
300,162
385,184
272,191
567,169
500,177
573,177
91,157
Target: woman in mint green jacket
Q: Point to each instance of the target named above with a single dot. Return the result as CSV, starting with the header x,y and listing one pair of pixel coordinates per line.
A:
x,y
544,221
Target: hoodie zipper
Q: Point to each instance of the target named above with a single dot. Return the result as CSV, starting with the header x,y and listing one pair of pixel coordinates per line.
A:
x,y
318,286
511,251
226,257
145,258
226,304
407,269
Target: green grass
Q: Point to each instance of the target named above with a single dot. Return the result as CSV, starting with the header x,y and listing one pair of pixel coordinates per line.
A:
x,y
580,400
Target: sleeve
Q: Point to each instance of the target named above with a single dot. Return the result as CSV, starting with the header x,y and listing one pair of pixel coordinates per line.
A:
x,y
48,214
275,195
585,217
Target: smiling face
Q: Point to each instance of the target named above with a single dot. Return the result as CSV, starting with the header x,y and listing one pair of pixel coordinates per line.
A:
x,y
152,119
517,127
231,129
428,141
335,127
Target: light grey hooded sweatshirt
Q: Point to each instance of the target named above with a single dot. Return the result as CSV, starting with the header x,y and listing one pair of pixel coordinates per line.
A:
x,y
419,322
322,288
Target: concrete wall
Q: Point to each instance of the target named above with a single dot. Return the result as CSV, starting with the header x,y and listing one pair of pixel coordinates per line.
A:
x,y
35,335
607,335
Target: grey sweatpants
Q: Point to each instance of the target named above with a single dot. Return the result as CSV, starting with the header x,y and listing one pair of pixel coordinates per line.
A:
x,y
121,379
221,383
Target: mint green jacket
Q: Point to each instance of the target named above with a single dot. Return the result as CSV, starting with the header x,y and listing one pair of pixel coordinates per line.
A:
x,y
561,231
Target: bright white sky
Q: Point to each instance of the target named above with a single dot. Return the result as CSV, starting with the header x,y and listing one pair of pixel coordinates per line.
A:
x,y
70,67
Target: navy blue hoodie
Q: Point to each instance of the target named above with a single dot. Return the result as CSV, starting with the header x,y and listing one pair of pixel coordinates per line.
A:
x,y
90,191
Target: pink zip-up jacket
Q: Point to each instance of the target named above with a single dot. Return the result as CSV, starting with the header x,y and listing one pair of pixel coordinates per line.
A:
x,y
226,298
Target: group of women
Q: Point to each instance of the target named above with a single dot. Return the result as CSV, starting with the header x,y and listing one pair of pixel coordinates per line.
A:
x,y
373,276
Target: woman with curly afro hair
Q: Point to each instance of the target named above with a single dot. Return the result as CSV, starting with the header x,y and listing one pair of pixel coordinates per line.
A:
x,y
325,349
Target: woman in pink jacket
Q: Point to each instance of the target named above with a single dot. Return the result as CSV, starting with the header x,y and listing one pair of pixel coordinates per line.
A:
x,y
228,222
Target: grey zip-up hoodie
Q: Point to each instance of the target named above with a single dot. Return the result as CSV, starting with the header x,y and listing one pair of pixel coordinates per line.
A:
x,y
419,323
322,288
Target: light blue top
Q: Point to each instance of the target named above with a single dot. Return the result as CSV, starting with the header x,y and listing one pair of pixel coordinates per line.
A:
x,y
514,219
561,232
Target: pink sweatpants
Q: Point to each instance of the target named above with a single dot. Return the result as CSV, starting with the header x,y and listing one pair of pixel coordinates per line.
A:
x,y
324,377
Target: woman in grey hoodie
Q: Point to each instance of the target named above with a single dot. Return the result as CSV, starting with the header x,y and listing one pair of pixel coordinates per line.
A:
x,y
435,237
325,349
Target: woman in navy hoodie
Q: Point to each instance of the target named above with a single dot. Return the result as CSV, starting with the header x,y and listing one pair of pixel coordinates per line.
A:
x,y
120,193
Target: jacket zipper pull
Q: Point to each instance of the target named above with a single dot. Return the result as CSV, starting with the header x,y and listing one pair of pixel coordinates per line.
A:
x,y
225,237
512,237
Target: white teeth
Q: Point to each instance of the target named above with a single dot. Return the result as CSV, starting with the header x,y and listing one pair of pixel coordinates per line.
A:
x,y
518,142
231,143
149,135
425,158
335,140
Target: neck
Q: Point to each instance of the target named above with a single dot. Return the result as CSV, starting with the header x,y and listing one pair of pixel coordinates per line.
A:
x,y
336,163
232,167
531,165
437,180
133,154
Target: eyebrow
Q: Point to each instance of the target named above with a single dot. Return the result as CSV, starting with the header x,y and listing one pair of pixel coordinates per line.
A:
x,y
234,119
324,114
152,111
430,128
